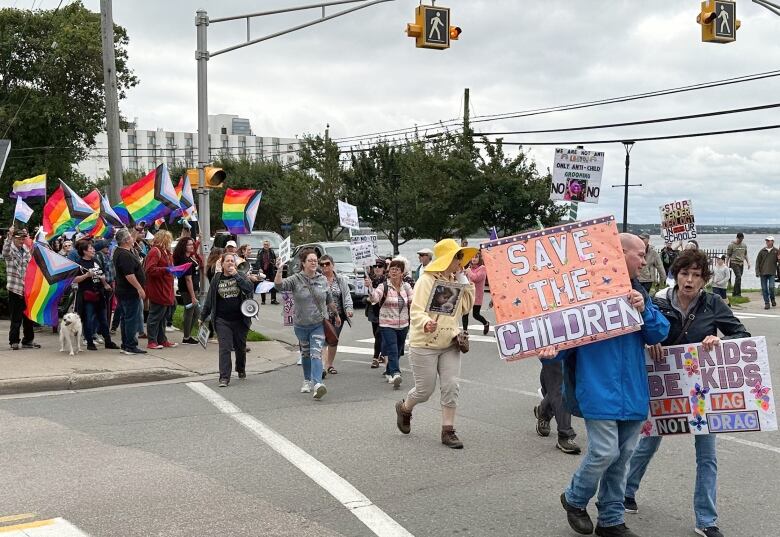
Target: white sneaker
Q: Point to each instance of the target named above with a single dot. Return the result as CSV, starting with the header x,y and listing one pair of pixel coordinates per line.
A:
x,y
319,391
389,378
170,329
396,380
300,360
99,340
306,388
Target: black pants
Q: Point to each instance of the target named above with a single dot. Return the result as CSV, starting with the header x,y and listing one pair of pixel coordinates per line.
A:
x,y
477,316
18,320
737,268
551,379
231,336
377,339
273,296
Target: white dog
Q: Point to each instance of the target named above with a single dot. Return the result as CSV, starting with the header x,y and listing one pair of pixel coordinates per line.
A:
x,y
70,331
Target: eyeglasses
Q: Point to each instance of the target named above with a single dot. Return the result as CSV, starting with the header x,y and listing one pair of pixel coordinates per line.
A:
x,y
325,264
459,255
379,266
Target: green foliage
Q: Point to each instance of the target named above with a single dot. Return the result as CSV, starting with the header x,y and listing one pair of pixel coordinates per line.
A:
x,y
52,102
321,174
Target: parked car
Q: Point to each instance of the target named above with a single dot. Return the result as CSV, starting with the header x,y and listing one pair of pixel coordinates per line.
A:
x,y
342,258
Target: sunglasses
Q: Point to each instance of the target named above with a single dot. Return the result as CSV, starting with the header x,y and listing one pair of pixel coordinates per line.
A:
x,y
379,266
325,264
459,255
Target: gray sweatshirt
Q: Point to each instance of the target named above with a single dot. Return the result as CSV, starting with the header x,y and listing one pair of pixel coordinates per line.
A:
x,y
307,311
720,277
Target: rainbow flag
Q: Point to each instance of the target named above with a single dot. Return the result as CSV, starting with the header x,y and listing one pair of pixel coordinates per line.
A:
x,y
29,188
121,212
48,276
239,209
151,197
64,210
88,224
179,270
187,208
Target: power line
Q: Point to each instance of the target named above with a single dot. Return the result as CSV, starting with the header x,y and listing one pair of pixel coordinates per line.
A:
x,y
646,139
643,122
575,106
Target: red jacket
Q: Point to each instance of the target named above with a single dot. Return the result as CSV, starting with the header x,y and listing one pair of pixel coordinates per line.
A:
x,y
159,282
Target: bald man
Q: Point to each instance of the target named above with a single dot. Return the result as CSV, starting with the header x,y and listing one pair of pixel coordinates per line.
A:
x,y
605,383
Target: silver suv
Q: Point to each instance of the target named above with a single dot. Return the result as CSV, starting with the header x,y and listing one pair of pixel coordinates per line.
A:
x,y
342,258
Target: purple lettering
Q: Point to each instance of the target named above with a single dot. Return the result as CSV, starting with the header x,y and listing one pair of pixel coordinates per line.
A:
x,y
671,380
749,352
708,378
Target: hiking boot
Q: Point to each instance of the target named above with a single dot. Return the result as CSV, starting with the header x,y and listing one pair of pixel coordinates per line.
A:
x,y
615,531
449,438
403,418
712,531
568,445
542,425
630,506
578,518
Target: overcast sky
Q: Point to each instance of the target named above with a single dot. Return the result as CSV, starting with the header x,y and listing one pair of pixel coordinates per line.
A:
x,y
361,74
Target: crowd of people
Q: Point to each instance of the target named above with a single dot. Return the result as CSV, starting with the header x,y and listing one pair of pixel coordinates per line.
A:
x,y
604,382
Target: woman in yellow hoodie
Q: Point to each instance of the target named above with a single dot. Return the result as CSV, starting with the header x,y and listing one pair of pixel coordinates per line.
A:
x,y
434,350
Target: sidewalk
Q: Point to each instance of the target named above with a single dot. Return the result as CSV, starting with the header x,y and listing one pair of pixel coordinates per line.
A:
x,y
47,369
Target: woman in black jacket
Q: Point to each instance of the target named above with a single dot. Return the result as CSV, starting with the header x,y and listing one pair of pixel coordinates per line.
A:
x,y
227,290
695,316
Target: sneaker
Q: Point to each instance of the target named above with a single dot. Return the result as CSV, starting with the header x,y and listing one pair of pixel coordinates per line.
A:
x,y
189,341
630,506
712,531
170,329
223,383
153,346
306,388
113,331
300,361
766,306
621,530
169,344
32,345
449,438
568,445
111,345
99,340
134,350
403,418
542,425
319,391
91,347
578,518
486,329
274,302
388,378
142,335
396,381
242,374
14,346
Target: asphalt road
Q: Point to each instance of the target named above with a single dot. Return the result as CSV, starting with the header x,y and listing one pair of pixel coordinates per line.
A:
x,y
163,460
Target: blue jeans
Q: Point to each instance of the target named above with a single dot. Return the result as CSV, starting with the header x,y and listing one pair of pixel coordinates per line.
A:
x,y
393,347
132,321
705,493
96,321
312,339
768,288
610,445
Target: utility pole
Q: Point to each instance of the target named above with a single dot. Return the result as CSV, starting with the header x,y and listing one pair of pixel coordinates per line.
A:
x,y
466,116
112,102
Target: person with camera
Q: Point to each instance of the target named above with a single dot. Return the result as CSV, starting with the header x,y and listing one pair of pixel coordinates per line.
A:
x,y
91,297
227,290
376,276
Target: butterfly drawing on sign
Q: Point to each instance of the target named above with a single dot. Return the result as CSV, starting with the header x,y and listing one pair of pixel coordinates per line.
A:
x,y
698,422
691,366
517,302
606,279
760,392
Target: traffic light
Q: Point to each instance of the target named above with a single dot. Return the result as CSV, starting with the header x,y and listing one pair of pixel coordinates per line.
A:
x,y
431,27
718,20
215,177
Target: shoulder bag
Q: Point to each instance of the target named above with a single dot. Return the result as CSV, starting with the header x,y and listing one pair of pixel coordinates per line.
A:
x,y
331,337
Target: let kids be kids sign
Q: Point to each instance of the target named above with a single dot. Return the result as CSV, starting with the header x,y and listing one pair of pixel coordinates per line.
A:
x,y
563,286
726,390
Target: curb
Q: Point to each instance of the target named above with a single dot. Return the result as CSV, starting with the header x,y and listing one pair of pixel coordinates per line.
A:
x,y
81,381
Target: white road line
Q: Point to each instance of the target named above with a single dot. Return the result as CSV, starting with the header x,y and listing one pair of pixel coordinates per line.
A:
x,y
379,522
479,327
750,443
755,314
367,340
355,350
55,527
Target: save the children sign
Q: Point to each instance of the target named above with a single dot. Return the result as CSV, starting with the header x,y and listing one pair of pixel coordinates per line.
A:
x,y
726,390
563,286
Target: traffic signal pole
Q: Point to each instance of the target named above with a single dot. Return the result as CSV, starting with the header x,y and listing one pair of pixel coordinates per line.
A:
x,y
202,56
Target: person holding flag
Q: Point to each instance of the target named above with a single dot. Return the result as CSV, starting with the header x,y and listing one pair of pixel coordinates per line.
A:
x,y
17,257
22,212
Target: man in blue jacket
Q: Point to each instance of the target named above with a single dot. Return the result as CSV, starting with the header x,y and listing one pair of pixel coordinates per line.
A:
x,y
606,384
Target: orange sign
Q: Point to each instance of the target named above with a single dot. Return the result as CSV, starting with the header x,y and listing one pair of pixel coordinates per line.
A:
x,y
563,286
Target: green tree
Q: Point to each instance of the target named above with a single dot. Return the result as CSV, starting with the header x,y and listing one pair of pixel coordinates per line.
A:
x,y
52,100
321,171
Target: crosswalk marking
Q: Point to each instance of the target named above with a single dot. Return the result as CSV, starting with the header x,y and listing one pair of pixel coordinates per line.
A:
x,y
52,527
14,518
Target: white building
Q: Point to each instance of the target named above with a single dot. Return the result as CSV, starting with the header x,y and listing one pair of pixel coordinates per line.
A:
x,y
229,135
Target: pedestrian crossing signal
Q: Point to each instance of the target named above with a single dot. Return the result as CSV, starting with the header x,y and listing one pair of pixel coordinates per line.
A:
x,y
431,27
718,20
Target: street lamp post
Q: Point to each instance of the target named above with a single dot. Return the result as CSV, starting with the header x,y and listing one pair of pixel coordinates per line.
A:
x,y
628,144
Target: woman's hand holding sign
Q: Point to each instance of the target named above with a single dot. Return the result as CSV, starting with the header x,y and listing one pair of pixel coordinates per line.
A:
x,y
710,342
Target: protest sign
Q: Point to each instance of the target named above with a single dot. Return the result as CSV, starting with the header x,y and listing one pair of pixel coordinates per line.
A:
x,y
726,390
563,286
284,251
364,249
288,309
677,222
348,216
576,175
445,298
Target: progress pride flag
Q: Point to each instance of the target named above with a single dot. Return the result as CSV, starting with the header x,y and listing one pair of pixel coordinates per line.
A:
x,y
563,286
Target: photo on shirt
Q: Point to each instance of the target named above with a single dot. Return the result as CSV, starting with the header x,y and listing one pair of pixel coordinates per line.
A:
x,y
445,298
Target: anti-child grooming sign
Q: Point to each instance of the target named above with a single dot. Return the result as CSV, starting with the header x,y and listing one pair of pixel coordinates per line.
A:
x,y
726,390
563,286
